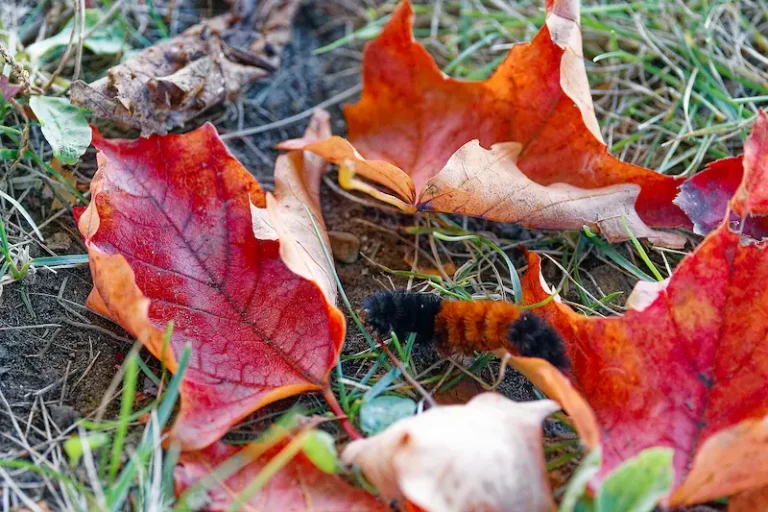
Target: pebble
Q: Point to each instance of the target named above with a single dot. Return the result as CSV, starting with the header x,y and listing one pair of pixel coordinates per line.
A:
x,y
345,246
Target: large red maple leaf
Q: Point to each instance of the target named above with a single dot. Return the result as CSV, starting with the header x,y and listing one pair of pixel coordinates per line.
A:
x,y
170,236
686,367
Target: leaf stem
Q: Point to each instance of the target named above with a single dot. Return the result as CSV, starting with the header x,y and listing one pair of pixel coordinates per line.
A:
x,y
339,412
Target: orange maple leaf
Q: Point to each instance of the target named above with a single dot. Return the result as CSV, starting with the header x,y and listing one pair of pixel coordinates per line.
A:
x,y
522,146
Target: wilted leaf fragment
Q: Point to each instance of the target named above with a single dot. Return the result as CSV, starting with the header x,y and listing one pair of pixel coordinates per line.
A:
x,y
485,456
705,196
170,238
688,369
64,127
107,39
588,467
320,448
8,91
383,411
704,200
298,486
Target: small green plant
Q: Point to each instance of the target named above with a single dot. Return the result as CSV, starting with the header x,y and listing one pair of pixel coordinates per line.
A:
x,y
18,270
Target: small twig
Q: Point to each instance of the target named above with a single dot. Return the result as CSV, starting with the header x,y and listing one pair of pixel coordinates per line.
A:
x,y
333,403
64,384
24,144
88,369
66,55
81,39
407,376
94,328
21,73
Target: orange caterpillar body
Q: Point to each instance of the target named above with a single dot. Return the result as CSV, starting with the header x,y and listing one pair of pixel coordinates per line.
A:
x,y
476,325
465,325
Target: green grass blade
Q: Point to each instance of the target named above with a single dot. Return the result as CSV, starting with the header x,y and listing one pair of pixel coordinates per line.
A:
x,y
617,258
641,251
129,395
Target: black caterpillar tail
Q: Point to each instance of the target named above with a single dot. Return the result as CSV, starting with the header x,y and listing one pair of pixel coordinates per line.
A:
x,y
465,326
403,313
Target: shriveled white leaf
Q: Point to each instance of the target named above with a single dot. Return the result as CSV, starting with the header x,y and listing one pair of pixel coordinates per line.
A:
x,y
644,293
484,456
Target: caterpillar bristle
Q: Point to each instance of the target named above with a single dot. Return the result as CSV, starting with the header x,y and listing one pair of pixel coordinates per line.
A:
x,y
475,325
403,313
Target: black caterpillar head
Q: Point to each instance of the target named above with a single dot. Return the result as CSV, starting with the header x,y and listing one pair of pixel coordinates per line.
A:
x,y
534,337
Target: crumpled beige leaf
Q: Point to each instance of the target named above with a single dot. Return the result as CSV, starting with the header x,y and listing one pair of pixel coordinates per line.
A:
x,y
173,81
485,456
488,183
287,215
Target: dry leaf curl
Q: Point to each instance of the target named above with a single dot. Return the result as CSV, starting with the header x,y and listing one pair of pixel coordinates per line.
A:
x,y
485,456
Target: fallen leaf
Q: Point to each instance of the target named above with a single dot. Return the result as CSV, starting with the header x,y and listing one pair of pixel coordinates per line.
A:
x,y
705,196
64,127
548,378
66,195
298,486
170,237
749,501
381,412
752,196
638,484
489,183
522,146
293,216
705,201
730,461
484,456
167,84
687,369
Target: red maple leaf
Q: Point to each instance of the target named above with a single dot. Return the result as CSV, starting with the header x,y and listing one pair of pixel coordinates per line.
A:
x,y
686,368
170,236
298,486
